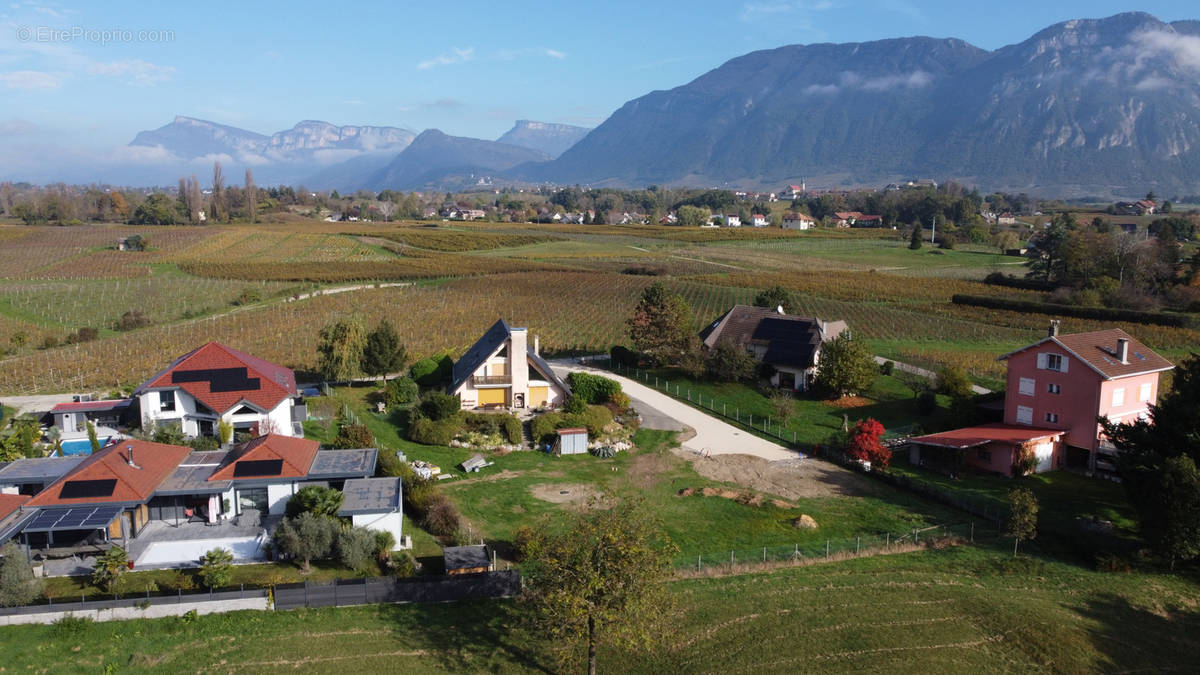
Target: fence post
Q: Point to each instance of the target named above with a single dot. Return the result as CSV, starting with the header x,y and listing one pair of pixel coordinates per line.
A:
x,y
306,592
731,559
697,563
180,591
764,554
887,543
826,548
857,545
723,410
972,533
335,602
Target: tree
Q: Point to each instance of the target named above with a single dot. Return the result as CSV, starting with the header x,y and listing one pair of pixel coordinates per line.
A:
x,y
692,216
18,586
315,499
92,438
1022,516
25,432
305,537
730,362
437,405
1006,241
866,443
216,568
217,208
110,568
156,210
845,367
224,431
251,194
340,350
383,354
914,241
661,325
601,579
953,382
776,296
1157,462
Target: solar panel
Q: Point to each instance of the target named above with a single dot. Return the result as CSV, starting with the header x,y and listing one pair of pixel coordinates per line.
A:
x,y
72,518
45,519
84,489
102,516
258,467
219,379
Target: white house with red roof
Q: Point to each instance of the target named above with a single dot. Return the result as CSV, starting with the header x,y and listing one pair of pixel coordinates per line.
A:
x,y
216,382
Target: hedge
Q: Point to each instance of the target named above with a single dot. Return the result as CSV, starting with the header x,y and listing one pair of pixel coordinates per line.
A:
x,y
1002,279
1102,313
507,426
595,418
428,432
593,388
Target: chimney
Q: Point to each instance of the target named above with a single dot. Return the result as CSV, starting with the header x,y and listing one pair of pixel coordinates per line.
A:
x,y
129,459
779,309
537,346
1123,350
1054,327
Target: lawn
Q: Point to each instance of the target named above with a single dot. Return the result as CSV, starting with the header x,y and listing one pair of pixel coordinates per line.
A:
x,y
499,499
938,611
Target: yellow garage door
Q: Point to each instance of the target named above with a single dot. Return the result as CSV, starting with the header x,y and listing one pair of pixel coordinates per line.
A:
x,y
491,396
538,396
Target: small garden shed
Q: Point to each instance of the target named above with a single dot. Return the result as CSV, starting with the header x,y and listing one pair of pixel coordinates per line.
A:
x,y
572,441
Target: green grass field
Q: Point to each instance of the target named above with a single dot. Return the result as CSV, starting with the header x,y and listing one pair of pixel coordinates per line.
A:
x,y
938,611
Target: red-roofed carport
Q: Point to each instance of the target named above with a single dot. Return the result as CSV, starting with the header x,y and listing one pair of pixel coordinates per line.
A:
x,y
995,448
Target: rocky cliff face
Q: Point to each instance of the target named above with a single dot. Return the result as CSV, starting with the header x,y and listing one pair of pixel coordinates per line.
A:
x,y
552,139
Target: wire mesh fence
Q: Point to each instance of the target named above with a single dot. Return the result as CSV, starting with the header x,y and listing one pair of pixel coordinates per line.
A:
x,y
818,550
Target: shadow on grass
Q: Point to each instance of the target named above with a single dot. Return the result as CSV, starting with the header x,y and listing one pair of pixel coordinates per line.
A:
x,y
470,635
1138,638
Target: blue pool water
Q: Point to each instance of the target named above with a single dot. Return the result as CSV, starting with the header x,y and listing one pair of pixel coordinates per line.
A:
x,y
81,446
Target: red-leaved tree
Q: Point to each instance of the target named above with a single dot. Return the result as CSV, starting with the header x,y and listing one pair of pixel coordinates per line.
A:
x,y
866,443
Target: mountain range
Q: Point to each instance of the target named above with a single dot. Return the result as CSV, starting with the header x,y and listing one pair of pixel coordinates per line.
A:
x,y
1091,106
1082,106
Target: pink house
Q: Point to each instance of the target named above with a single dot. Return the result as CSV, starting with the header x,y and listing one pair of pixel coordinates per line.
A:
x,y
1057,389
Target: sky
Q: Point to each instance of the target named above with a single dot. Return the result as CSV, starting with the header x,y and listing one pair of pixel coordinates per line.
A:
x,y
79,80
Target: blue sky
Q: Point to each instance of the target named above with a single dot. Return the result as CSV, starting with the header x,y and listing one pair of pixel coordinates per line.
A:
x,y
468,68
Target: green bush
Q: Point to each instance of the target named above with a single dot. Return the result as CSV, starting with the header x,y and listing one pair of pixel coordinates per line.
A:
x,y
593,388
493,424
1103,313
438,406
441,518
429,432
352,435
403,565
512,429
18,586
401,391
216,568
543,426
315,499
433,371
595,418
356,549
574,405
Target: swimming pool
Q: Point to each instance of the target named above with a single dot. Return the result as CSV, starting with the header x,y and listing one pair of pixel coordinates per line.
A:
x,y
244,549
81,446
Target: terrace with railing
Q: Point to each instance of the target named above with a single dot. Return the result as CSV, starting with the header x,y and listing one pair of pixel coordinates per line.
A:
x,y
485,380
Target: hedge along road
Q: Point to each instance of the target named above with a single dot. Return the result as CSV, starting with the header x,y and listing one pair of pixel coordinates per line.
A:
x,y
660,411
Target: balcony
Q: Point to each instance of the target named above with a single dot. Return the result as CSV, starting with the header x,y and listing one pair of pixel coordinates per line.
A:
x,y
491,380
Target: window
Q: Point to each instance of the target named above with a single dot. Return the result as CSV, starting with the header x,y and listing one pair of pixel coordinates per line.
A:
x,y
166,401
1052,418
985,455
1118,397
1144,393
1053,388
1027,386
1054,362
1024,415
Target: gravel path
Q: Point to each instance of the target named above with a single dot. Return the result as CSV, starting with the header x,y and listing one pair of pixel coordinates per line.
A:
x,y
713,437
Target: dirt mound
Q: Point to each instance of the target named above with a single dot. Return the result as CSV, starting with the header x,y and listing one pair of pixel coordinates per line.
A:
x,y
744,498
790,479
687,492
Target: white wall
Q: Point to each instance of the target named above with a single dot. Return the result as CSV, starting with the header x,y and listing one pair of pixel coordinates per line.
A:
x,y
381,522
278,496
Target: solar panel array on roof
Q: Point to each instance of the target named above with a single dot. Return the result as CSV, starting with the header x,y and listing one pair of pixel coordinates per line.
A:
x,y
219,379
257,467
87,489
79,518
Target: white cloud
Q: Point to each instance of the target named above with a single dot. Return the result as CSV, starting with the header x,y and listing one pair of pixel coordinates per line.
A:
x,y
513,54
141,154
137,71
456,55
1184,50
31,79
555,54
757,11
821,89
850,80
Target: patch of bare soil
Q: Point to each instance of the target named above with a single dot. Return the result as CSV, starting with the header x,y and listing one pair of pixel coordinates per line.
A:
x,y
573,494
647,469
790,479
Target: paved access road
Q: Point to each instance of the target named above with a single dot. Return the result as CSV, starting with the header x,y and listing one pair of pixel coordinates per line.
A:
x,y
659,411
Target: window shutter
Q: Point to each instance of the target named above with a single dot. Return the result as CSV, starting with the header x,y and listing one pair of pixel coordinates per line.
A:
x,y
1027,386
1024,415
1066,361
1041,361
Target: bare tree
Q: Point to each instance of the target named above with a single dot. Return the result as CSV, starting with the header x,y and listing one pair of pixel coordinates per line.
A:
x,y
251,197
191,200
6,198
217,205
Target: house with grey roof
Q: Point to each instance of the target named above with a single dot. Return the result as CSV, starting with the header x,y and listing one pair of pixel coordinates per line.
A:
x,y
502,370
790,345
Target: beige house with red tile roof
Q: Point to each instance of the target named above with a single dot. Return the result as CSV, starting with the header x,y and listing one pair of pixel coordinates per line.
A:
x,y
216,382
